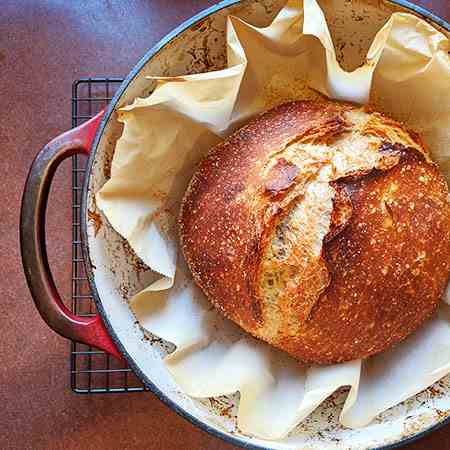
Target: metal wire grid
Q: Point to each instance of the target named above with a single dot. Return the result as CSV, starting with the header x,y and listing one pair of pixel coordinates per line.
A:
x,y
91,370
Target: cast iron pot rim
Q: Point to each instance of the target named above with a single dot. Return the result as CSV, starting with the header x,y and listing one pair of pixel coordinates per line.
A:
x,y
84,238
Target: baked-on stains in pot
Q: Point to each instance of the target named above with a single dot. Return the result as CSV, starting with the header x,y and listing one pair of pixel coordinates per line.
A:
x,y
96,220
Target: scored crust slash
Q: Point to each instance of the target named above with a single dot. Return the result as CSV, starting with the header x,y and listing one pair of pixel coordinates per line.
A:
x,y
336,243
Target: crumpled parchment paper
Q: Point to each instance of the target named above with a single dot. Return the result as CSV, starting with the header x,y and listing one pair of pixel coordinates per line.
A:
x,y
406,75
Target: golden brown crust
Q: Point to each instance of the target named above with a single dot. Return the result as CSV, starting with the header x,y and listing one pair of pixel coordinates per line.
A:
x,y
384,258
220,234
389,266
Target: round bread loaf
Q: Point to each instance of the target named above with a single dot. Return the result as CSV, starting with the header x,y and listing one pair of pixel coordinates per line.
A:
x,y
321,228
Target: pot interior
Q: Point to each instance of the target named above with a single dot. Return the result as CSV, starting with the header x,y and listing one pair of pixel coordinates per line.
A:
x,y
116,274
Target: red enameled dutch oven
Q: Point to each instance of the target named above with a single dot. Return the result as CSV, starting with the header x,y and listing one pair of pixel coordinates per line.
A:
x,y
197,45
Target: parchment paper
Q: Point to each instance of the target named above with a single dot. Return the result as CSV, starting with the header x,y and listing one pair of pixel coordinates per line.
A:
x,y
407,75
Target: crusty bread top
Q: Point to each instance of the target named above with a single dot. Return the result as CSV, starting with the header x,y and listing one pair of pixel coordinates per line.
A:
x,y
321,228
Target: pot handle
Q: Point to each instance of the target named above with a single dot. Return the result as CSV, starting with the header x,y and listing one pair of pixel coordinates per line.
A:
x,y
87,330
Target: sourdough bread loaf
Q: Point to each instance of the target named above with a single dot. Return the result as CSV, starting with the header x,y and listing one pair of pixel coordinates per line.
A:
x,y
321,228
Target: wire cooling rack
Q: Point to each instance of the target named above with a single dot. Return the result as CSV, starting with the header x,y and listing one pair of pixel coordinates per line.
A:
x,y
91,370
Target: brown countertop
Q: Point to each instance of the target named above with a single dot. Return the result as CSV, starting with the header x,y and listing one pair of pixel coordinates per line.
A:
x,y
45,45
